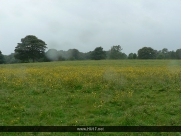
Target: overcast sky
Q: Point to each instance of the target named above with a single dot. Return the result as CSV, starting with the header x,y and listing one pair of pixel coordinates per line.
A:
x,y
87,24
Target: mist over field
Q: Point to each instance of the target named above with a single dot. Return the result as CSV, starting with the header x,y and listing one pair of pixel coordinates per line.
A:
x,y
90,63
91,93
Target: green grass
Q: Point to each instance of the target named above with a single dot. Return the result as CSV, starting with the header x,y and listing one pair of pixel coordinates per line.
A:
x,y
147,100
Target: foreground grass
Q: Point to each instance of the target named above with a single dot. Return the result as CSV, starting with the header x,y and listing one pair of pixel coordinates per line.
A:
x,y
75,93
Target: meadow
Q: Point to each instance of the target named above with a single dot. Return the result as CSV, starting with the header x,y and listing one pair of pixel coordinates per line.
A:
x,y
91,93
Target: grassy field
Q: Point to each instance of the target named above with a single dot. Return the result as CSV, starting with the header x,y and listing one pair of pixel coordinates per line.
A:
x,y
91,93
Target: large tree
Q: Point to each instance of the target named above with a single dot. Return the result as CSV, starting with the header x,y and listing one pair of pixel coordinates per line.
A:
x,y
115,52
75,54
134,56
30,48
2,60
172,54
98,54
130,56
146,53
178,53
160,56
165,52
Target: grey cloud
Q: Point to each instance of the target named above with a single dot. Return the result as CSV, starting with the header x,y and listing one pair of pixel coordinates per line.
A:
x,y
85,25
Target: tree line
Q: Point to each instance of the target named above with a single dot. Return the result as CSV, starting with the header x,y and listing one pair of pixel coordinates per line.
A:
x,y
32,49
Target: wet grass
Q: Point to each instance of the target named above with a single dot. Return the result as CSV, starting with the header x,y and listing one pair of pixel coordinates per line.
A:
x,y
91,93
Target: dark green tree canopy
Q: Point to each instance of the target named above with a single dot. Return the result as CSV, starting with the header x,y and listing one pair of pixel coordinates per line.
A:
x,y
98,54
178,53
75,54
115,52
130,56
172,54
160,56
2,60
134,56
165,53
30,48
146,53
